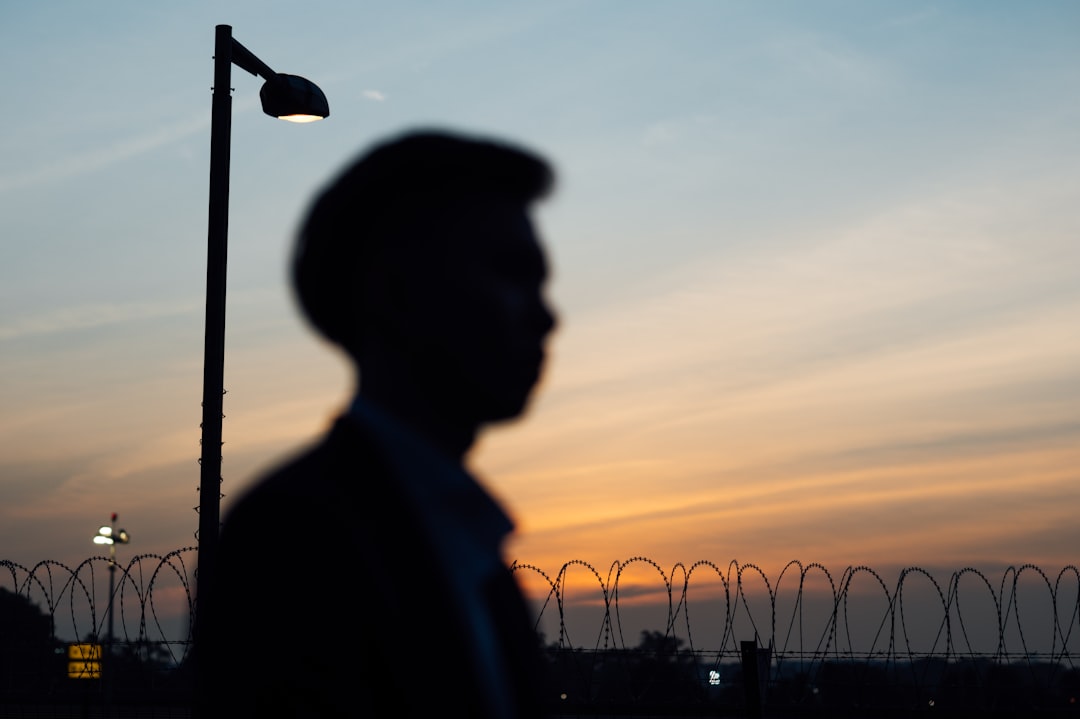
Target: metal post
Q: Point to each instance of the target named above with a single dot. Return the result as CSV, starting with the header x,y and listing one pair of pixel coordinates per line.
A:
x,y
112,589
755,675
107,663
214,352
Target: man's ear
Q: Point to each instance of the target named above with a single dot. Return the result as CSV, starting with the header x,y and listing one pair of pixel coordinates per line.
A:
x,y
391,307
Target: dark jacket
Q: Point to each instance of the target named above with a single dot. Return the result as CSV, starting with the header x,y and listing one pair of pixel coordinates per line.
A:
x,y
331,600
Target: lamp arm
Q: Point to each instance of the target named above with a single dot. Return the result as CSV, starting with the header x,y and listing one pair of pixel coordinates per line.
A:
x,y
245,59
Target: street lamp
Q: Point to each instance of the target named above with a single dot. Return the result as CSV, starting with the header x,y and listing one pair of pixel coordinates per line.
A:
x,y
290,98
110,536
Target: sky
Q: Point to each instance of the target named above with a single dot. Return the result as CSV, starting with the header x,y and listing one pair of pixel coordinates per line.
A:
x,y
815,264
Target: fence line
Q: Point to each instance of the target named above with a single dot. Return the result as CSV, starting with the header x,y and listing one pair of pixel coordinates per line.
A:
x,y
76,595
914,631
1010,631
802,630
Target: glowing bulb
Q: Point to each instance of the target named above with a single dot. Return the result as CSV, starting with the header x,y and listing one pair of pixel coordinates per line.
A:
x,y
299,118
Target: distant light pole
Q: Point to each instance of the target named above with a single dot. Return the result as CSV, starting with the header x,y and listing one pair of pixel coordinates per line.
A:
x,y
110,536
290,98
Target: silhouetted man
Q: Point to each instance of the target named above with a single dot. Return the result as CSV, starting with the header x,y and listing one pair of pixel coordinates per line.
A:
x,y
365,576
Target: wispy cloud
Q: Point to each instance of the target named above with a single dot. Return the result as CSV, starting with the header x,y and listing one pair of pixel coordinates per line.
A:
x,y
101,158
674,129
826,62
374,95
83,317
913,18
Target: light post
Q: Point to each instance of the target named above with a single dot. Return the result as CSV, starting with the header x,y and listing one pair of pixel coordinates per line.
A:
x,y
290,98
110,536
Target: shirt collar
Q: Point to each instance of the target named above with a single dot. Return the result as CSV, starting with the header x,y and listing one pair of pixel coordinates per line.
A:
x,y
437,485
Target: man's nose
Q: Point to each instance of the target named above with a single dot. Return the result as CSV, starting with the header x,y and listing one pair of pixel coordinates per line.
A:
x,y
547,320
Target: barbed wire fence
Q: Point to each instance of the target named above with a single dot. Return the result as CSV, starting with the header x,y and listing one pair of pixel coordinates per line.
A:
x,y
1012,634
153,598
917,639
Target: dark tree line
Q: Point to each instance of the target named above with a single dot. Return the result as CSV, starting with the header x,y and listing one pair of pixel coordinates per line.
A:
x,y
661,677
34,664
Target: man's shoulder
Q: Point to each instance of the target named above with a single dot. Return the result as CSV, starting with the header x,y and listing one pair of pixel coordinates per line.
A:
x,y
342,465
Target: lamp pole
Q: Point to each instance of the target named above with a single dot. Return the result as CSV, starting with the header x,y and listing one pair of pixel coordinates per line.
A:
x,y
111,536
214,346
108,534
288,97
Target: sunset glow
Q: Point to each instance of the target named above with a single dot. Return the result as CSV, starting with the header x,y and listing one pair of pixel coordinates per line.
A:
x,y
816,269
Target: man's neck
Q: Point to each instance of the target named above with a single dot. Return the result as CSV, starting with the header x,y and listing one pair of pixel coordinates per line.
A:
x,y
449,435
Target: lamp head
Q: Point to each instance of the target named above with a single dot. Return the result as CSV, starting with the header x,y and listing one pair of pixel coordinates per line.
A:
x,y
108,535
293,98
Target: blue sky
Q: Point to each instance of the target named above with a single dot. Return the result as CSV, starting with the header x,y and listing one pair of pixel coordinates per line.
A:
x,y
816,267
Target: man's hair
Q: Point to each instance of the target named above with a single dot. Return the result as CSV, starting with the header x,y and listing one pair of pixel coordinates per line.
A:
x,y
384,197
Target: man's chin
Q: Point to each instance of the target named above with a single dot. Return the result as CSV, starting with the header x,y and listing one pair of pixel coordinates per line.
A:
x,y
505,408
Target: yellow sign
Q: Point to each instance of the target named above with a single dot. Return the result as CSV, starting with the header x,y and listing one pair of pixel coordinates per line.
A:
x,y
84,661
84,651
84,670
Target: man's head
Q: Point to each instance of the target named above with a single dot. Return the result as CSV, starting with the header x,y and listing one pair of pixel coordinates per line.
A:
x,y
422,254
